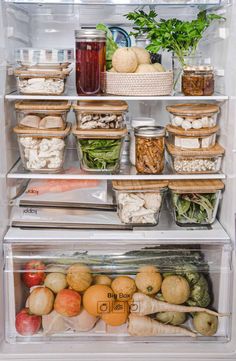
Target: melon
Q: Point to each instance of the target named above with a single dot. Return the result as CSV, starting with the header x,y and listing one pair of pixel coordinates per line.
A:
x,y
159,67
124,60
142,54
145,68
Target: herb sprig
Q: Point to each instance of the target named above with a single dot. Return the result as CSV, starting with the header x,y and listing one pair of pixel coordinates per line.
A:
x,y
173,35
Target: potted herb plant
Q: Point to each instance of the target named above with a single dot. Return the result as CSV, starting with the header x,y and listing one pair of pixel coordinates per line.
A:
x,y
179,37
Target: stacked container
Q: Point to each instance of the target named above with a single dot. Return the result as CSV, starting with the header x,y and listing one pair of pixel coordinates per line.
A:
x,y
100,132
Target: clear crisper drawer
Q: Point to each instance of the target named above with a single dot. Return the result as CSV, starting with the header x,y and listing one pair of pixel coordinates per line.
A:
x,y
117,291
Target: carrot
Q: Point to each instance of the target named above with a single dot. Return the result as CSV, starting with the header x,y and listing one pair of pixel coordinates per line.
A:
x,y
144,305
145,326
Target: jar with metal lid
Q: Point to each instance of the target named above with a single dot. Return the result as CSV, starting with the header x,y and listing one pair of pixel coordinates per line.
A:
x,y
150,146
198,80
90,60
137,122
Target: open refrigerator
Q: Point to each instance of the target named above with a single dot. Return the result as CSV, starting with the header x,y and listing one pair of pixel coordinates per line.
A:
x,y
51,23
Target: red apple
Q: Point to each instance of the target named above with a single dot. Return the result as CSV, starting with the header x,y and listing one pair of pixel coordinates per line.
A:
x,y
67,303
33,273
26,323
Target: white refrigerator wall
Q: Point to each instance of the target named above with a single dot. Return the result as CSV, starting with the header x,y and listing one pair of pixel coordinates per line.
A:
x,y
54,25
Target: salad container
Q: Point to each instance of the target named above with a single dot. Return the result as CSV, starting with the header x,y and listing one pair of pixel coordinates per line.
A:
x,y
42,114
192,139
99,150
203,161
100,114
139,202
195,202
41,81
193,116
42,151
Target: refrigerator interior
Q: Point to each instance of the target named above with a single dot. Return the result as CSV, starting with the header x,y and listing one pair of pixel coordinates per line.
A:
x,y
25,23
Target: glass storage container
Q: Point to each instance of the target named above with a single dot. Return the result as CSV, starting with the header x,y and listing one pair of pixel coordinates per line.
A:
x,y
150,147
195,202
193,116
42,151
44,57
99,311
41,81
137,122
192,139
100,114
99,150
198,80
139,202
203,161
90,61
40,114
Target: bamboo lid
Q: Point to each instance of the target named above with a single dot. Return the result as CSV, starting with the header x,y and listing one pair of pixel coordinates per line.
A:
x,y
41,73
42,132
101,106
216,150
192,132
139,185
196,186
198,109
99,133
42,105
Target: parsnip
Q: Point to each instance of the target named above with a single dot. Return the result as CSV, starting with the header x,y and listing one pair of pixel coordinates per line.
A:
x,y
145,305
145,326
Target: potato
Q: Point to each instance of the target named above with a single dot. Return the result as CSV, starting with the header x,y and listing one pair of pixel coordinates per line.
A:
x,y
175,289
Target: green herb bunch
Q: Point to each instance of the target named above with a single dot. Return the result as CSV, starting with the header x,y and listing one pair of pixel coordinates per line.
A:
x,y
174,35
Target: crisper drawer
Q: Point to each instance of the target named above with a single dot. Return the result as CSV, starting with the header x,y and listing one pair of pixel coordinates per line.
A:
x,y
117,291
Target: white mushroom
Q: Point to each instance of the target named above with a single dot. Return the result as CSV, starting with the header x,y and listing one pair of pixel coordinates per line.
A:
x,y
177,121
186,125
197,124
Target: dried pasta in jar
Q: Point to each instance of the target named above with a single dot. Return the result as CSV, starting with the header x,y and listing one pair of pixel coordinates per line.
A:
x,y
150,146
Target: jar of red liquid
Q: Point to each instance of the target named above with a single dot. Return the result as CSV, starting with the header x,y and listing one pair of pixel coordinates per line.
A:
x,y
90,60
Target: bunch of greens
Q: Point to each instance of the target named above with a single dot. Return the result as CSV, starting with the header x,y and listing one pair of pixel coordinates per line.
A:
x,y
194,207
200,292
100,153
180,37
111,45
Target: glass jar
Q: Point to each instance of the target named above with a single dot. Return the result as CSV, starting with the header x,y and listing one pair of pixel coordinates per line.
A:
x,y
177,67
198,81
90,60
137,122
150,146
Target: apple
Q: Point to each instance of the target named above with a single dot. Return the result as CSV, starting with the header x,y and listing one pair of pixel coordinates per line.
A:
x,y
26,323
33,273
67,303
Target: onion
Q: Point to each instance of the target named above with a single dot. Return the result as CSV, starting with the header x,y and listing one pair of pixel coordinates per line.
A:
x,y
41,301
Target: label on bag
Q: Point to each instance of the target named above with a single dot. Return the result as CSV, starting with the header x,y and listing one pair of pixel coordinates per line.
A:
x,y
30,212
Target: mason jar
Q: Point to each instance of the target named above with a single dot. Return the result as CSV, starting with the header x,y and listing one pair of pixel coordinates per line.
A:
x,y
198,80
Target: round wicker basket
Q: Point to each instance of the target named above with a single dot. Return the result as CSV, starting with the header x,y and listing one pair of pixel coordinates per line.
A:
x,y
137,84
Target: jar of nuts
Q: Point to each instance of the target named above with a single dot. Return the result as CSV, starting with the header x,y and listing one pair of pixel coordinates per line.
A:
x,y
150,146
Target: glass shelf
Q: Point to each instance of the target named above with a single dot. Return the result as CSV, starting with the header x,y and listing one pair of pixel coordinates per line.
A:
x,y
122,2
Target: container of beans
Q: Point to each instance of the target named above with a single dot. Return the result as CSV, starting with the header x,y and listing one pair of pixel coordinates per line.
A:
x,y
193,116
198,80
150,146
192,139
204,161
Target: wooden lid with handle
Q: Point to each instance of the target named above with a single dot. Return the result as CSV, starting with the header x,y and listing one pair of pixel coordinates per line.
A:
x,y
192,132
139,185
42,105
198,109
196,186
29,132
101,106
217,150
99,133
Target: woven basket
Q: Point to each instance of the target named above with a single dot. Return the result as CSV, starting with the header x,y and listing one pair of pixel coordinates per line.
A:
x,y
137,84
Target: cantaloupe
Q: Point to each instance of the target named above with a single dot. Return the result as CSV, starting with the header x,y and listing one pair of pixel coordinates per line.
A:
x,y
145,68
158,67
124,60
142,55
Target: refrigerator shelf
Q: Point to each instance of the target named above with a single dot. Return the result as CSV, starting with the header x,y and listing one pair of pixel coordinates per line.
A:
x,y
126,172
73,97
165,231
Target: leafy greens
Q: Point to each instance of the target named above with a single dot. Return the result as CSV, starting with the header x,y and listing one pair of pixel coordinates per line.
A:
x,y
100,153
194,208
111,45
180,37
